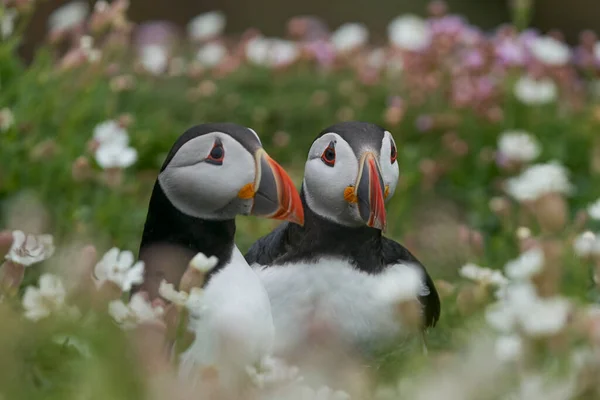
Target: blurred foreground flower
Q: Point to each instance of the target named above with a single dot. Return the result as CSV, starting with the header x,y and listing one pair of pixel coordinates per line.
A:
x,y
196,272
550,51
48,299
139,310
68,16
535,92
539,180
154,58
272,53
409,32
118,267
594,210
272,371
116,156
211,54
483,275
30,249
526,266
7,119
7,22
586,245
110,133
349,37
206,26
518,146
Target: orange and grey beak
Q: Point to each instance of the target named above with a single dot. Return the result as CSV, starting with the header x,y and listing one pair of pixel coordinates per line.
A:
x,y
273,192
369,190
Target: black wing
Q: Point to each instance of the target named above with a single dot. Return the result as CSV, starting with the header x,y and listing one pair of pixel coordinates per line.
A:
x,y
394,252
269,247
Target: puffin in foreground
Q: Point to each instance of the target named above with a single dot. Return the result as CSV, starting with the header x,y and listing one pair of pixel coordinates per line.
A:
x,y
213,173
338,270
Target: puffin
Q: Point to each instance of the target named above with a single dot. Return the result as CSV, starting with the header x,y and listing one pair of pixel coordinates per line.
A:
x,y
213,173
334,270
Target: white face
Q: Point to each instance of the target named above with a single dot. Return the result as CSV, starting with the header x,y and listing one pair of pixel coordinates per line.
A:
x,y
205,176
325,181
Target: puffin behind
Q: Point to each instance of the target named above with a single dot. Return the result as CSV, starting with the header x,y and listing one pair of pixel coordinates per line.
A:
x,y
212,173
333,269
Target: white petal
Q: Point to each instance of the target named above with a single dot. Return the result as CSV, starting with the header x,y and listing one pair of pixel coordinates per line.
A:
x,y
125,260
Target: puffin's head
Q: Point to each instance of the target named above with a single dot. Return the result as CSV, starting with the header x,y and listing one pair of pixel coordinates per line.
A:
x,y
217,171
350,173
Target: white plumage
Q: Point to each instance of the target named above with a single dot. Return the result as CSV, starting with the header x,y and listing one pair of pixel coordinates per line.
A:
x,y
235,328
358,308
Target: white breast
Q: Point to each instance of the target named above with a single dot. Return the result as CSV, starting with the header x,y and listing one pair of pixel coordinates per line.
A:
x,y
354,305
236,327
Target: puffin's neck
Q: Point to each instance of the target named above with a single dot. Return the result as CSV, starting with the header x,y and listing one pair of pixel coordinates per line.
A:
x,y
320,236
169,229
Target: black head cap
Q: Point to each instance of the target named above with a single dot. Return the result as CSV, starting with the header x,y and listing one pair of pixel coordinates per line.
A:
x,y
245,136
358,134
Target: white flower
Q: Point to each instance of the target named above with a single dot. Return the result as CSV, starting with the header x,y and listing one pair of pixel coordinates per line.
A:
x,y
402,283
539,180
257,50
271,371
137,311
518,146
206,26
119,267
49,298
501,317
513,299
535,92
68,16
597,51
509,347
202,263
7,22
168,292
154,58
550,51
269,52
545,317
115,156
377,59
324,393
211,54
586,244
526,266
482,275
193,301
283,52
30,249
594,210
110,133
409,32
349,37
7,119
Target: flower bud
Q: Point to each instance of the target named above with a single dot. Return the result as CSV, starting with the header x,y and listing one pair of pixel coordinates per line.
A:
x,y
551,212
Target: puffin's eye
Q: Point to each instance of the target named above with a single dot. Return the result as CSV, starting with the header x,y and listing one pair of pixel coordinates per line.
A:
x,y
328,155
216,154
393,153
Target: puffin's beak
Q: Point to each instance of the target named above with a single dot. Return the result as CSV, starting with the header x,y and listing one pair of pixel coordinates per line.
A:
x,y
370,192
274,193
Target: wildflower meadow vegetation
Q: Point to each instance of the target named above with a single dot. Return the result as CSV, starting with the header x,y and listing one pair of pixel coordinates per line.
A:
x,y
499,155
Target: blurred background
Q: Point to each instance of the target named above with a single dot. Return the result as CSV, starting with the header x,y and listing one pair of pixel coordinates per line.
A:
x,y
271,16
